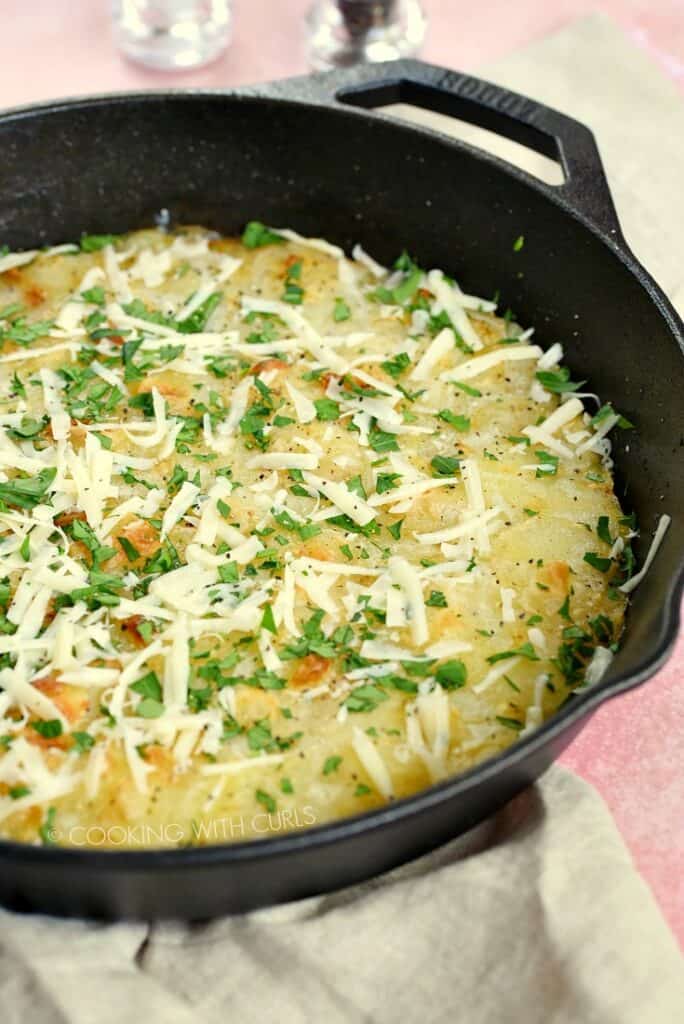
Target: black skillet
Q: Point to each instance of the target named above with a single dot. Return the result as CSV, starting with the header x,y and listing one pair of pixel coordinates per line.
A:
x,y
299,153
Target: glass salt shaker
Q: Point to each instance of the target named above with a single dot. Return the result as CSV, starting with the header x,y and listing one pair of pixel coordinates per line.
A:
x,y
345,32
172,35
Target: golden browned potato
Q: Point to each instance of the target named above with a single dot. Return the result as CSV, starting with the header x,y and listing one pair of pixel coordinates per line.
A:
x,y
284,535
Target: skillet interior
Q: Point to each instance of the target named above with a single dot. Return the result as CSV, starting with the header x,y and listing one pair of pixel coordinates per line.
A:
x,y
111,164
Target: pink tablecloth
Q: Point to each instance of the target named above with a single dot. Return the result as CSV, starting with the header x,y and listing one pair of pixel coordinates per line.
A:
x,y
633,749
62,47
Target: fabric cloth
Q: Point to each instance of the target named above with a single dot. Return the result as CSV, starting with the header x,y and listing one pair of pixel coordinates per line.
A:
x,y
539,914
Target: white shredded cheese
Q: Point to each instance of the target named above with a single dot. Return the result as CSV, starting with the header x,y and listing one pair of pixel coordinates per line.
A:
x,y
407,578
468,528
362,257
283,460
658,537
300,326
480,364
502,668
368,755
507,611
310,243
439,347
304,408
182,501
598,666
17,259
346,501
452,300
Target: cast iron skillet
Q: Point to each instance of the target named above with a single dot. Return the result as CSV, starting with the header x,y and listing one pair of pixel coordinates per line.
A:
x,y
296,153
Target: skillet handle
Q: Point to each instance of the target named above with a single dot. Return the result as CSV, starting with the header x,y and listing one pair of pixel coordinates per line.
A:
x,y
540,128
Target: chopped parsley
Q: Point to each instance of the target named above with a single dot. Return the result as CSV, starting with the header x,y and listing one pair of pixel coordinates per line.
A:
x,y
341,311
46,831
27,492
525,650
558,381
49,729
452,675
607,410
332,764
266,801
93,243
456,421
197,321
396,365
381,441
257,235
548,464
268,621
597,562
294,293
395,529
510,723
83,741
16,792
327,409
95,295
387,482
365,698
403,292
313,640
603,530
444,465
467,389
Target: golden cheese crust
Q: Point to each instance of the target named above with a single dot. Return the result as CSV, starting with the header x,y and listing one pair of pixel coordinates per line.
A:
x,y
284,535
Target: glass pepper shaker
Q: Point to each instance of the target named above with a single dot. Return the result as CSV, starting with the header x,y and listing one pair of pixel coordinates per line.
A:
x,y
345,32
172,35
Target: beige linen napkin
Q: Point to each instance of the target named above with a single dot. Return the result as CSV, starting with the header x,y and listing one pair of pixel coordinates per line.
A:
x,y
538,918
592,72
539,915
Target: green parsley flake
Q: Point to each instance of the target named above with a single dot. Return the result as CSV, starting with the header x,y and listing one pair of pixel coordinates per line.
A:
x,y
597,562
510,723
268,621
444,465
558,381
266,801
526,650
93,243
257,235
456,421
365,698
327,409
49,729
341,311
452,675
396,365
548,464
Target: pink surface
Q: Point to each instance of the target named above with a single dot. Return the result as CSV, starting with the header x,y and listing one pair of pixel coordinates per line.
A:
x,y
633,752
633,749
54,48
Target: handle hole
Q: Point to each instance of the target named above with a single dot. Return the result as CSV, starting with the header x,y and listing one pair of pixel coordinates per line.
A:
x,y
459,117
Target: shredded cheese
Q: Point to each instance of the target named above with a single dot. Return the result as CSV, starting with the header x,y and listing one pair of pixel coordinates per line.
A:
x,y
481,364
